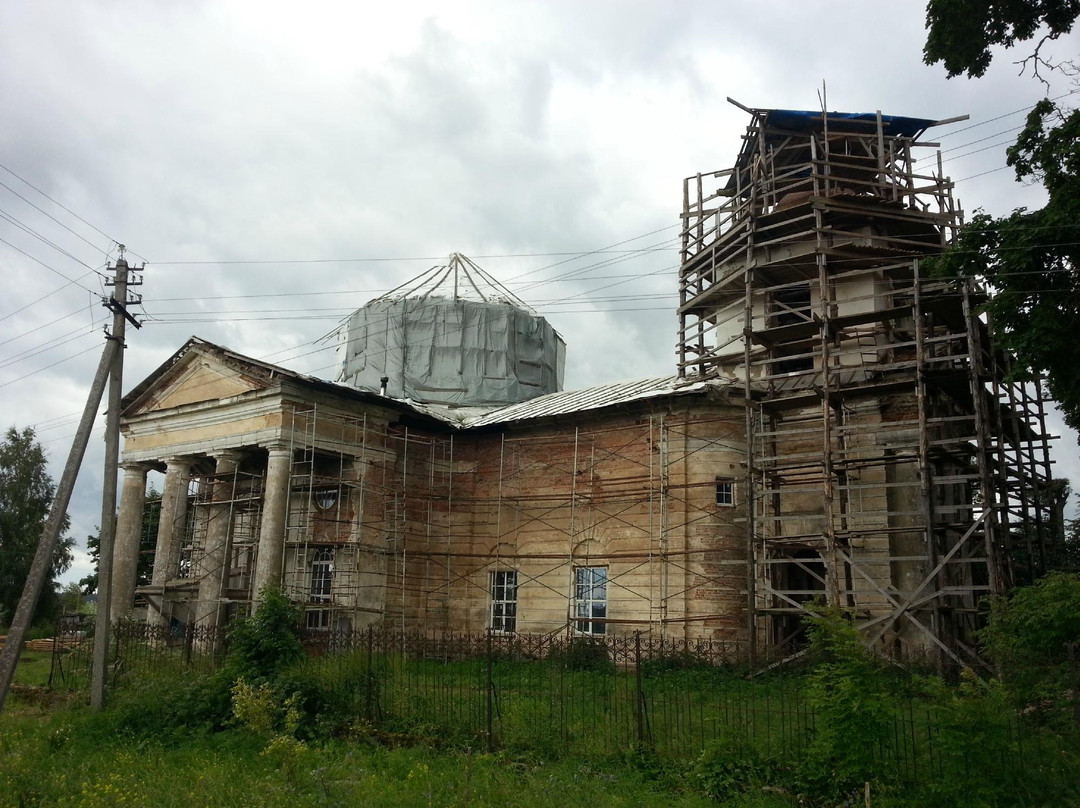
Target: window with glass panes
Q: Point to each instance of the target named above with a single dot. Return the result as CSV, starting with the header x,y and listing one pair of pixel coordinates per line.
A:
x,y
321,582
504,600
590,599
725,492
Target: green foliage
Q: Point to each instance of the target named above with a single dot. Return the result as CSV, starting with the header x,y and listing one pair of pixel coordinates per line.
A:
x,y
1028,258
731,767
974,726
58,760
171,699
583,654
851,707
334,692
1028,636
1032,625
26,494
168,705
71,598
259,709
268,641
960,33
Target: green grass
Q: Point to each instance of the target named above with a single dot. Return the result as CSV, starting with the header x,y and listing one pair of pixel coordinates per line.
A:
x,y
71,758
563,738
33,668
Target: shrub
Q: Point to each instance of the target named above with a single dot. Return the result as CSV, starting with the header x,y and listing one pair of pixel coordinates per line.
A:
x,y
852,719
169,702
583,654
1028,637
334,691
266,642
730,767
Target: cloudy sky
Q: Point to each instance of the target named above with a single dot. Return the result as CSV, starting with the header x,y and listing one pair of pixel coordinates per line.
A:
x,y
275,168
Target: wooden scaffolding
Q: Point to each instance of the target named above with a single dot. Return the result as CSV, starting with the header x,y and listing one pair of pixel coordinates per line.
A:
x,y
893,468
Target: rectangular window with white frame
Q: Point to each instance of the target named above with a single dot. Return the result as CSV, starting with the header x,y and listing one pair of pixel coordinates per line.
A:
x,y
504,586
590,600
725,492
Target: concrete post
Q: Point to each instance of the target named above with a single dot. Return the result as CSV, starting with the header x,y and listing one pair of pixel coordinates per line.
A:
x,y
213,566
171,526
129,523
272,528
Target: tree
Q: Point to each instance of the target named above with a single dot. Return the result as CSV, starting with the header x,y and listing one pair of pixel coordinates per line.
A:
x,y
26,493
71,598
1032,634
960,33
1029,258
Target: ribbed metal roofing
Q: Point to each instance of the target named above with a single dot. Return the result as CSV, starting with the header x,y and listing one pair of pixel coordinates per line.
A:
x,y
590,398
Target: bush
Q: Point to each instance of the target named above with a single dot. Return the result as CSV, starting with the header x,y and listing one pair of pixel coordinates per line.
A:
x,y
852,718
266,642
583,654
169,702
1034,623
730,767
333,691
1028,637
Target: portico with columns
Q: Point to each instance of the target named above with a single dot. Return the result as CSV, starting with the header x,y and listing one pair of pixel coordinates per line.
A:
x,y
243,467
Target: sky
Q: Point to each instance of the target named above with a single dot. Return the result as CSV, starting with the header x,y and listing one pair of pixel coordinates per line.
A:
x,y
275,167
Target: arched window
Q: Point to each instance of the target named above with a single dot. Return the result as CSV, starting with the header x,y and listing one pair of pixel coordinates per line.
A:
x,y
322,575
322,581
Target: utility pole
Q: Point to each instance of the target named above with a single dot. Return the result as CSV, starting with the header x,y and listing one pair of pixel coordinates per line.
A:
x,y
117,304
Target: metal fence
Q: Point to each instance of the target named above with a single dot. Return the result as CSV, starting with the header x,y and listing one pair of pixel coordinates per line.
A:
x,y
558,695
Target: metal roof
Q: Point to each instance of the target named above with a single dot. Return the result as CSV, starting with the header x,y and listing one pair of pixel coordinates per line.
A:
x,y
567,402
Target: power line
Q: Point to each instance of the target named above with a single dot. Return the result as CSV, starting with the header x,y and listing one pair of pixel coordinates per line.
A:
x,y
51,269
43,325
47,367
67,210
50,216
32,232
50,294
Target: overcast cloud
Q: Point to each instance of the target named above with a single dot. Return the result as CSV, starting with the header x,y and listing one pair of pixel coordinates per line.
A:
x,y
276,168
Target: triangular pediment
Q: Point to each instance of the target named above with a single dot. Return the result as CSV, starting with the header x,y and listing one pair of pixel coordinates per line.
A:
x,y
197,375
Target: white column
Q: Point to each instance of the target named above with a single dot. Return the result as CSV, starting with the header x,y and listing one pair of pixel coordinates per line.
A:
x,y
129,522
170,535
272,527
213,565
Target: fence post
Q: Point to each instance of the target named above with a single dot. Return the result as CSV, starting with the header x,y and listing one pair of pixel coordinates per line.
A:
x,y
189,641
369,678
490,688
639,695
1074,680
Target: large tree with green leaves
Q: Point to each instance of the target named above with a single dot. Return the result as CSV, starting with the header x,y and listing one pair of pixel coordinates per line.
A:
x,y
1028,258
26,493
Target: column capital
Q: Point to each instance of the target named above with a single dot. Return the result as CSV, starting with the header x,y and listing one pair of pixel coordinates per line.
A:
x,y
136,466
179,460
278,448
229,456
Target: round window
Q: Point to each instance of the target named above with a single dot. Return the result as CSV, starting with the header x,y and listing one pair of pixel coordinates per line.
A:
x,y
326,498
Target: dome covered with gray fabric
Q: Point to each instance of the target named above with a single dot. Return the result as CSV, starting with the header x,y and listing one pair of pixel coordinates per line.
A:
x,y
453,335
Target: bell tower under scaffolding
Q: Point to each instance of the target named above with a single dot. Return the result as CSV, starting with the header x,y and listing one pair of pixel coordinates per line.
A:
x,y
891,467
